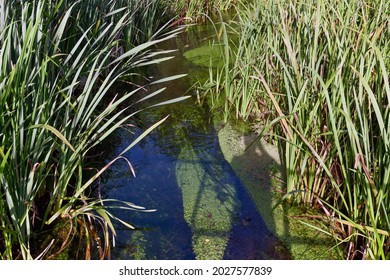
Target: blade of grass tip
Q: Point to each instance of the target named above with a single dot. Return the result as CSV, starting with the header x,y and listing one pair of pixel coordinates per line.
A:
x,y
80,55
56,133
107,219
316,36
93,76
139,138
130,206
386,80
102,34
164,27
168,79
174,100
119,25
151,95
61,28
112,122
363,228
130,165
132,52
93,178
121,221
383,68
115,12
154,61
153,54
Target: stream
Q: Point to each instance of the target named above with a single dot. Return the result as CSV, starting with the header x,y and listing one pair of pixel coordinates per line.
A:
x,y
203,211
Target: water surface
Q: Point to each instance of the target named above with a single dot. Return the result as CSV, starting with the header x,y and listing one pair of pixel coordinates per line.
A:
x,y
203,209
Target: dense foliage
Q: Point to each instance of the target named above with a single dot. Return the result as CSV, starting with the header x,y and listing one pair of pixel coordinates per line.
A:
x,y
59,61
313,75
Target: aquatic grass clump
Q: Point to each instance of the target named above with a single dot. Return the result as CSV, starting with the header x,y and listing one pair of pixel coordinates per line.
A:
x,y
315,77
230,84
57,103
197,9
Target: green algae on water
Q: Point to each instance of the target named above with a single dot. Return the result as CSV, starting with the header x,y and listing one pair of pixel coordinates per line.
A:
x,y
209,205
254,168
206,55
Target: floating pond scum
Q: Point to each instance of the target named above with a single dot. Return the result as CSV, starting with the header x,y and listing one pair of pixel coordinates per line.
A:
x,y
209,200
224,221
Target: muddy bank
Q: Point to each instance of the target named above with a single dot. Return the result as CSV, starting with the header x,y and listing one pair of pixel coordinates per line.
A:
x,y
258,168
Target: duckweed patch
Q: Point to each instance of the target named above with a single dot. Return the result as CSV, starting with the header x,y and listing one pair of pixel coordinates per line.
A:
x,y
209,205
205,55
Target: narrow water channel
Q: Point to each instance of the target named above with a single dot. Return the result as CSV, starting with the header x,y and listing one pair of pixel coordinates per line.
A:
x,y
203,211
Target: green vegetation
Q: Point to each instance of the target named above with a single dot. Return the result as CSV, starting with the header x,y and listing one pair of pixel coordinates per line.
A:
x,y
139,243
59,61
209,205
312,76
199,9
201,56
258,168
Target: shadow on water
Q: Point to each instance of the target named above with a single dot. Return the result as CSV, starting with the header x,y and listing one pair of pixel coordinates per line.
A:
x,y
259,168
210,181
255,164
180,170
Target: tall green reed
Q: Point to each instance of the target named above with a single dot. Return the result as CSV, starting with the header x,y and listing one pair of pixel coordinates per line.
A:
x,y
315,75
58,64
197,9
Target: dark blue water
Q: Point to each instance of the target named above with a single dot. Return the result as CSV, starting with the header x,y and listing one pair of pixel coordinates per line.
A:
x,y
187,138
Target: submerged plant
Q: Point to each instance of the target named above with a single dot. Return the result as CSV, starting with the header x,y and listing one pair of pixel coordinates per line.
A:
x,y
58,64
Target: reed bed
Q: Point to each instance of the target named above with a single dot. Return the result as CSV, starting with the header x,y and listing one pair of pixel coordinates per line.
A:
x,y
314,76
59,61
198,10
